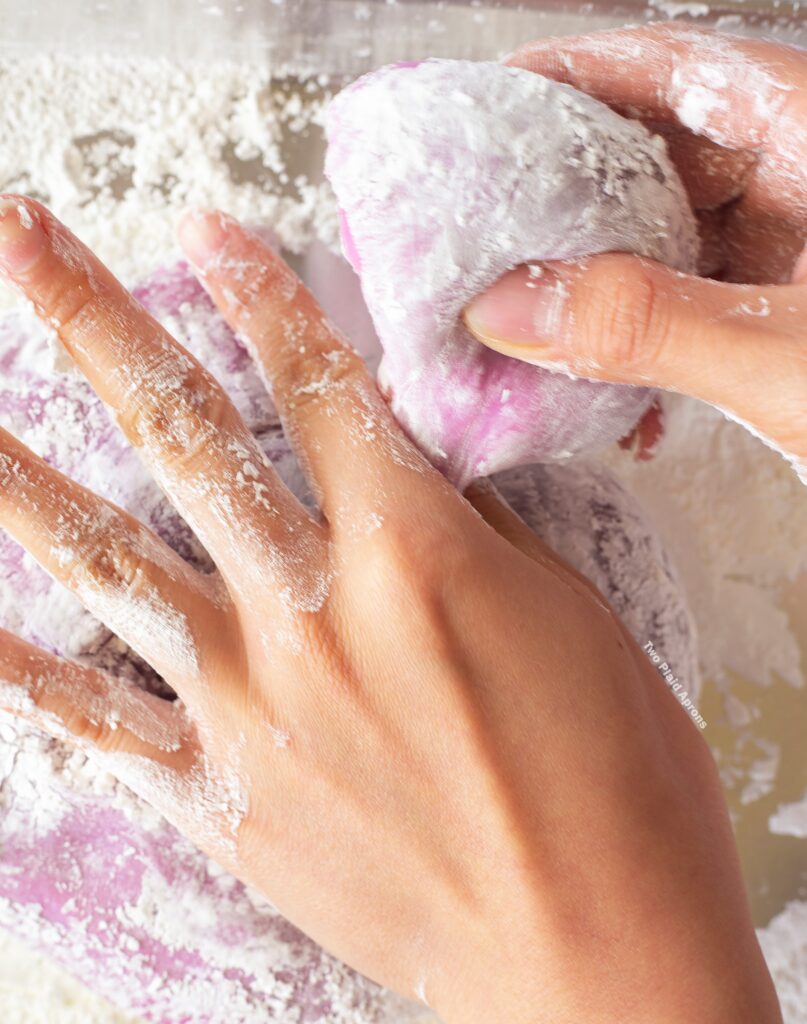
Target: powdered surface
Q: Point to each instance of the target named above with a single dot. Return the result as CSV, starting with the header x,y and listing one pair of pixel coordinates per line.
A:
x,y
134,142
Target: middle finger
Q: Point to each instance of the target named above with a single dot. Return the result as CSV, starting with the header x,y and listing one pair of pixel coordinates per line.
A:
x,y
343,432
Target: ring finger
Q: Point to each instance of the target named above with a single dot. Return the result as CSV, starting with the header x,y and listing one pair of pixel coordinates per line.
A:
x,y
84,705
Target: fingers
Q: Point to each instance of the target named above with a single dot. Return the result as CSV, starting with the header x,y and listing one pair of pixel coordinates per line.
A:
x,y
743,94
124,574
711,174
342,430
86,706
733,90
621,318
168,406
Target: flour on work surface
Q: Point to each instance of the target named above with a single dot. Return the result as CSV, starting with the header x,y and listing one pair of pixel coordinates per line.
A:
x,y
790,819
784,943
34,991
138,141
733,516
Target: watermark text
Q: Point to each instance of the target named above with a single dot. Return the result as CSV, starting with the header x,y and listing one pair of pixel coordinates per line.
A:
x,y
675,684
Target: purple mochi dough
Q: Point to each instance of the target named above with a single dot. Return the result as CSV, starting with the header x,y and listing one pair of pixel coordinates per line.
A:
x,y
447,175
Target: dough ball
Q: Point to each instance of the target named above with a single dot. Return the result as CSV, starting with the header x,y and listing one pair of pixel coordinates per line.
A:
x,y
450,173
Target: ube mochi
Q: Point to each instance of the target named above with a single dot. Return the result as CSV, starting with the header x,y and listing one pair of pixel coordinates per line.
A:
x,y
448,174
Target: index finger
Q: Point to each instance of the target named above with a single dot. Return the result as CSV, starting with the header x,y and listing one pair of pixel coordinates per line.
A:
x,y
746,94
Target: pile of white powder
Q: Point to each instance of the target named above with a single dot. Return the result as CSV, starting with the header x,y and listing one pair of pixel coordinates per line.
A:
x,y
117,149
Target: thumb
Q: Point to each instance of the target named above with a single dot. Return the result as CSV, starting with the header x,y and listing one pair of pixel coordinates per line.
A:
x,y
630,320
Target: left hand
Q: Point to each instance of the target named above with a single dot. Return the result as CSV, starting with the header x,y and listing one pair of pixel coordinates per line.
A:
x,y
733,112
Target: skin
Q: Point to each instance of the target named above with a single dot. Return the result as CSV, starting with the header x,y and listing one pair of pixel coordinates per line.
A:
x,y
454,767
738,340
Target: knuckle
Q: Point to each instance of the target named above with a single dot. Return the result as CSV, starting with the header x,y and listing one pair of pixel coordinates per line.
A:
x,y
75,702
107,561
72,305
164,400
625,322
308,378
102,734
407,558
178,416
385,560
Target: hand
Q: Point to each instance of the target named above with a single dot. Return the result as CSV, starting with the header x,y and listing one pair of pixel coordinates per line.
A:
x,y
734,113
406,722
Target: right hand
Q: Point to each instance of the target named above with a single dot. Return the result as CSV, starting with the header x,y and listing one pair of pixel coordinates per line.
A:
x,y
734,112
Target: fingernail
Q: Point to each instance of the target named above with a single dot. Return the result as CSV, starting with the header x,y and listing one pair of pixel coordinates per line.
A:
x,y
21,236
528,307
202,233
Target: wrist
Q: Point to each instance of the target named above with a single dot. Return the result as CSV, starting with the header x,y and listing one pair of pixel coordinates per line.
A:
x,y
507,980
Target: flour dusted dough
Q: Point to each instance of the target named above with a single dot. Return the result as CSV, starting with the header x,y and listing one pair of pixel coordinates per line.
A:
x,y
448,174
